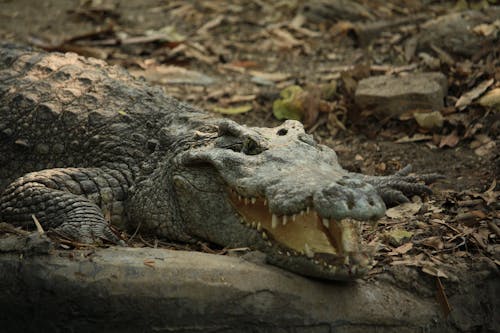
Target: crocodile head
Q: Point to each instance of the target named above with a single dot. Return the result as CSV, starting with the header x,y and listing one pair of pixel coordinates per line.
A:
x,y
278,191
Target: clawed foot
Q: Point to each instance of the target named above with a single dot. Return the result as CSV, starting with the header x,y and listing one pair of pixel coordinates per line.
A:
x,y
90,233
400,187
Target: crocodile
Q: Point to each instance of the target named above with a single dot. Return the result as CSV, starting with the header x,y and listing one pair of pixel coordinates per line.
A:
x,y
88,150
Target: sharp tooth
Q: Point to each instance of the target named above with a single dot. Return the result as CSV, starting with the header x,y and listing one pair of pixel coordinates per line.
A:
x,y
269,244
307,210
253,224
284,220
264,235
253,201
274,221
287,253
301,213
259,226
294,217
326,223
239,197
246,201
265,202
309,252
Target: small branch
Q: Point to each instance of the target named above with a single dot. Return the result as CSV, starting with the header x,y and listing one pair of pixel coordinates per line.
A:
x,y
38,225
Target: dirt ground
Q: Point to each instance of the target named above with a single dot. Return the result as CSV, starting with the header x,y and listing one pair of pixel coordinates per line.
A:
x,y
241,54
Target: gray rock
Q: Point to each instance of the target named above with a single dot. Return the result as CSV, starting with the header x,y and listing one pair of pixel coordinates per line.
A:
x,y
130,290
392,96
454,33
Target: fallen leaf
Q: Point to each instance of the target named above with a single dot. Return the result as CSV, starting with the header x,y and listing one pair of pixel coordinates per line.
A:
x,y
429,120
415,138
173,75
471,95
396,237
404,210
487,29
401,249
239,98
431,270
434,242
273,77
491,99
285,39
450,140
234,110
482,145
289,105
210,24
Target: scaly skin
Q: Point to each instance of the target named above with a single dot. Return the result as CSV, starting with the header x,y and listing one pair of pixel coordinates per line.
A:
x,y
84,145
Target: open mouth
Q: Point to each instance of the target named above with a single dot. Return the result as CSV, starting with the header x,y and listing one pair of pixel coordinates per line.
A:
x,y
326,242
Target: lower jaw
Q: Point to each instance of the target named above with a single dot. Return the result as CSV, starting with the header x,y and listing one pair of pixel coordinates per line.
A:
x,y
307,267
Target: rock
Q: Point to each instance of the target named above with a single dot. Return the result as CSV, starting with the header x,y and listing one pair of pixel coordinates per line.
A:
x,y
458,33
132,289
392,96
335,10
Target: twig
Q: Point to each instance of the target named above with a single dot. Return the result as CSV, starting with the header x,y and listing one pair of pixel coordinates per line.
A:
x,y
38,225
492,225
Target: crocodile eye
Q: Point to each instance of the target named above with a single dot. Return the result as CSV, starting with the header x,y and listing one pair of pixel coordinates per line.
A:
x,y
250,147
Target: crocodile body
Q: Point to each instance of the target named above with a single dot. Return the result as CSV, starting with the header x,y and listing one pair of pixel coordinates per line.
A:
x,y
84,145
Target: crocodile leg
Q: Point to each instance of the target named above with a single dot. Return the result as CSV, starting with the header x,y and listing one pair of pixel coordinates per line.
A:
x,y
399,187
71,201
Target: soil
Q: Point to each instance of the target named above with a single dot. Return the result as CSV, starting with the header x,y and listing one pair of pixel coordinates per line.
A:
x,y
227,40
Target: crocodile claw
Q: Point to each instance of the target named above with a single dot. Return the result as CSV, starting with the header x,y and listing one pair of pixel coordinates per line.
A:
x,y
398,188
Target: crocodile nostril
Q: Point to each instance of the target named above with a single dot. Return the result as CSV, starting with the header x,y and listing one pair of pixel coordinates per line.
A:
x,y
282,131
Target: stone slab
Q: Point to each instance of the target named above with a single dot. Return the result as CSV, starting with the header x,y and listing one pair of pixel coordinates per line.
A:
x,y
391,96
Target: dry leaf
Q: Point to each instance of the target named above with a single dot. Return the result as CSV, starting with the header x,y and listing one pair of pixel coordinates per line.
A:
x,y
471,95
404,210
417,137
491,99
429,120
234,110
430,269
483,145
396,237
434,242
173,75
450,140
401,249
273,77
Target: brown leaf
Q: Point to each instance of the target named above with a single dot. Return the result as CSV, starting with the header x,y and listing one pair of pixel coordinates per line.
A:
x,y
404,210
471,95
435,242
430,269
173,75
273,77
450,140
401,249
